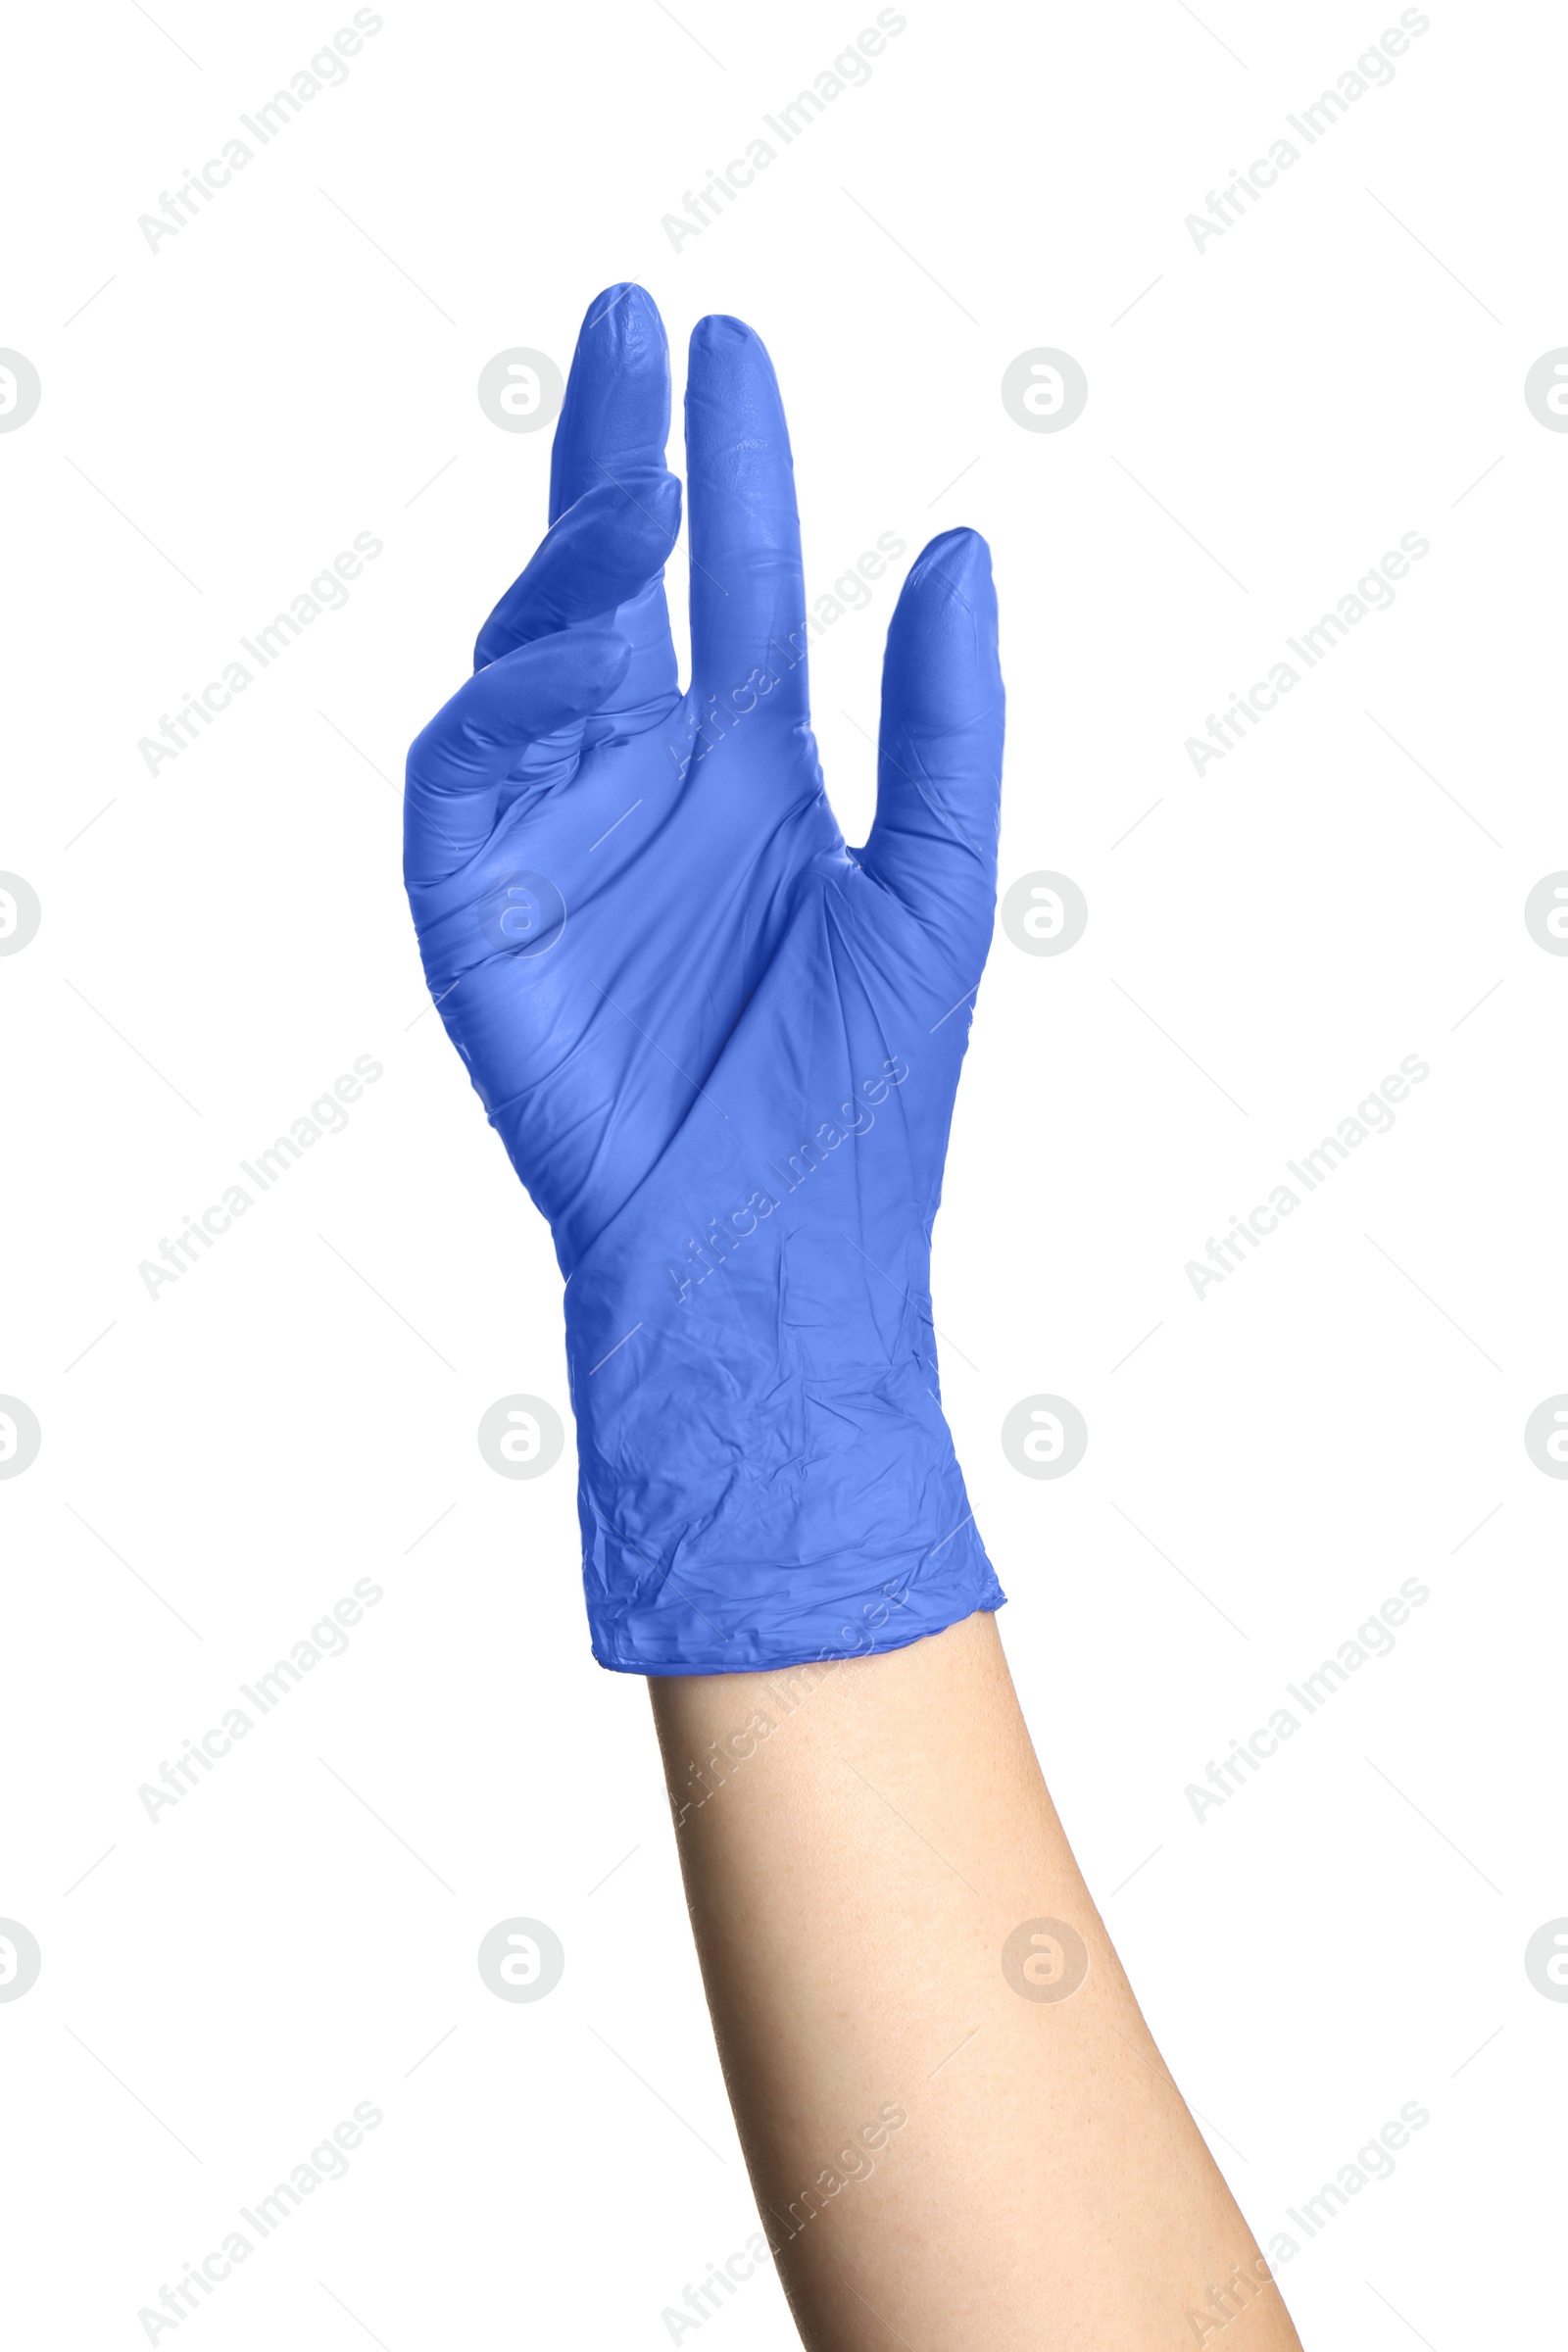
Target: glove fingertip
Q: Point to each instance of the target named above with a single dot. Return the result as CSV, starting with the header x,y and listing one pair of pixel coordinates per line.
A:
x,y
943,658
956,565
627,316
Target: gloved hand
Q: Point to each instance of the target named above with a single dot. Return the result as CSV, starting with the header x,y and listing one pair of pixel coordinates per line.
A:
x,y
721,1048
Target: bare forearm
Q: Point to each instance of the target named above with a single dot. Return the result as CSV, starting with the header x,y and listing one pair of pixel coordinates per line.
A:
x,y
958,2125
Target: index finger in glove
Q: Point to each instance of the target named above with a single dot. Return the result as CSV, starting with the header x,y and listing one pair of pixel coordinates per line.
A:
x,y
614,419
458,766
602,553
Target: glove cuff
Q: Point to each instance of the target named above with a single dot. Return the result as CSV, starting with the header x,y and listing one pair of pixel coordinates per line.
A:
x,y
739,1515
729,1606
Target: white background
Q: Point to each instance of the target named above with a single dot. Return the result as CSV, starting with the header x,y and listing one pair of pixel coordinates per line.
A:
x,y
298,365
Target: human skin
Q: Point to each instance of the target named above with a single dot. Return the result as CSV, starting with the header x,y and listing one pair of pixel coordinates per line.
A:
x,y
854,1873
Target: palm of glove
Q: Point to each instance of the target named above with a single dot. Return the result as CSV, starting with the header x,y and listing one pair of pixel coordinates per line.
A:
x,y
721,1048
594,957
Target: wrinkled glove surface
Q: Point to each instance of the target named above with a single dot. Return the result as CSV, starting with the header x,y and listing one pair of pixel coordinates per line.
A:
x,y
720,1047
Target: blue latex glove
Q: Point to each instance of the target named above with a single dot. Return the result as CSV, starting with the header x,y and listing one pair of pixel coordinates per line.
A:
x,y
721,1048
